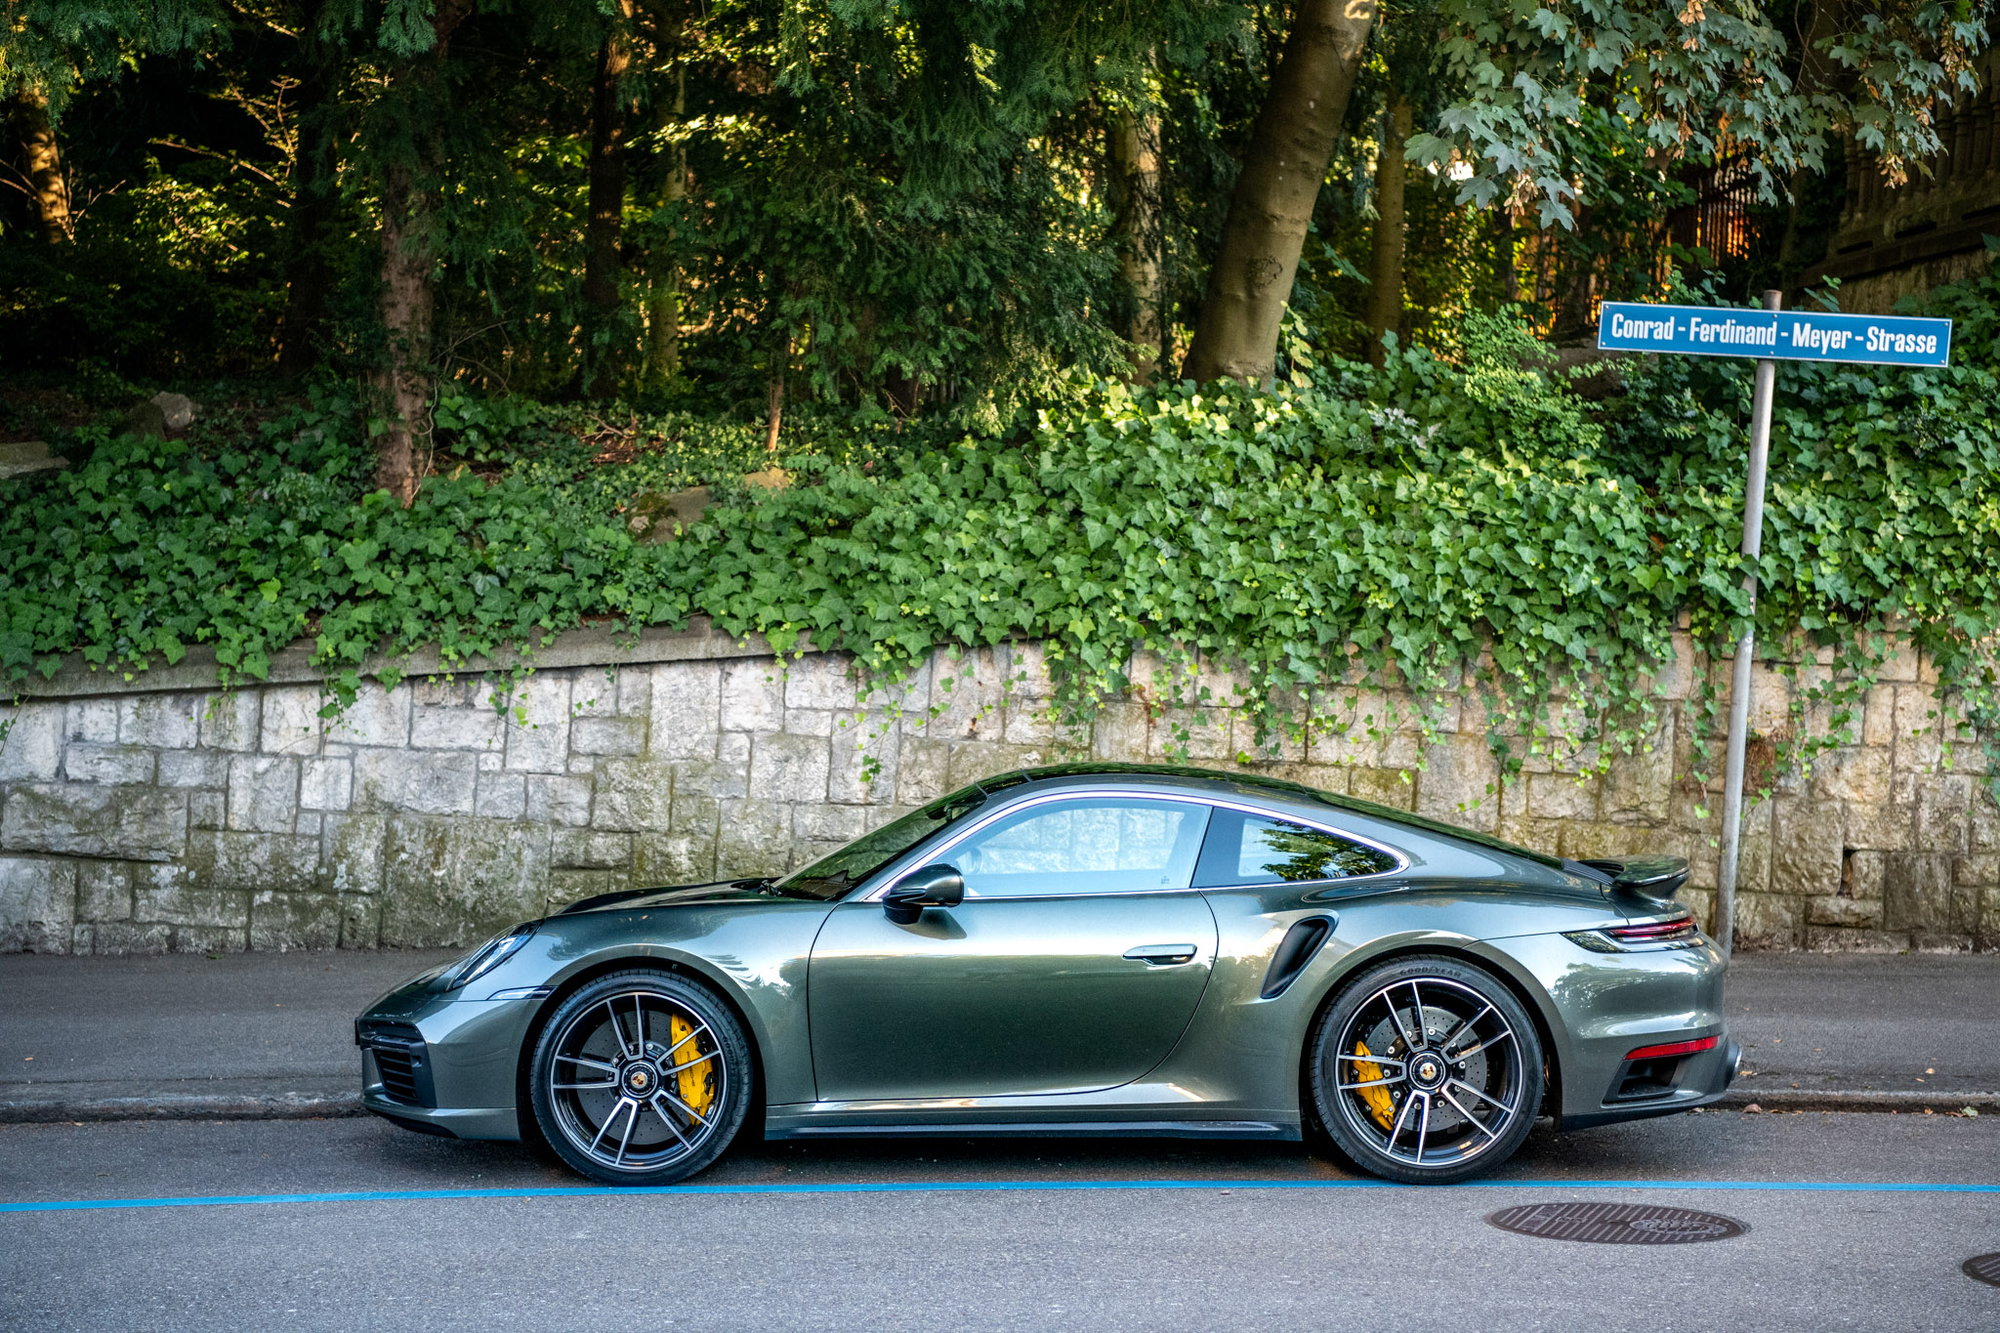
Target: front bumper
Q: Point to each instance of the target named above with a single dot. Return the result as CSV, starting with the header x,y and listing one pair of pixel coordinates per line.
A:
x,y
437,1064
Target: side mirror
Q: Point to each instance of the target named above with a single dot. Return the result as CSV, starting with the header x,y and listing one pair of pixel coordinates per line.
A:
x,y
933,886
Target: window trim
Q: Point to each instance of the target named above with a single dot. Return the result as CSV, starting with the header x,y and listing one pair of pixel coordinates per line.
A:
x,y
941,852
1402,861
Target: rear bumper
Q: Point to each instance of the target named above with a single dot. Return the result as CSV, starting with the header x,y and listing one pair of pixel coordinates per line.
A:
x,y
1603,1006
1702,1079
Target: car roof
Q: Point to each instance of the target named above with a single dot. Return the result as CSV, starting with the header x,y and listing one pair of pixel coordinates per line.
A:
x,y
1214,780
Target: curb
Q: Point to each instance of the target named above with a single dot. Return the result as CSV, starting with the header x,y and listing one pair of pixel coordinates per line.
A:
x,y
1809,1099
319,1106
184,1106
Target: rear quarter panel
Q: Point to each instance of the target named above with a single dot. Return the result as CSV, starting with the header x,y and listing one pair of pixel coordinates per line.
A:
x,y
1247,1052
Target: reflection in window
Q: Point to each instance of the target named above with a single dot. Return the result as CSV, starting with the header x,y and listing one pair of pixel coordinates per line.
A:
x,y
1276,850
1109,846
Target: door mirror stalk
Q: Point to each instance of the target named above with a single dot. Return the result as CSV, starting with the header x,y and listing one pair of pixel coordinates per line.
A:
x,y
933,886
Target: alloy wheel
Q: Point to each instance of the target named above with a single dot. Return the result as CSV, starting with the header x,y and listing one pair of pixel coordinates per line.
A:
x,y
637,1081
1428,1073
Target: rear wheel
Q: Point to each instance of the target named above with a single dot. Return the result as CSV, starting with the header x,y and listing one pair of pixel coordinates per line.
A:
x,y
1426,1070
640,1078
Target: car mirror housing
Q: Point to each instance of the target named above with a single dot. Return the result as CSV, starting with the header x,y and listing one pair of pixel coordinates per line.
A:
x,y
933,886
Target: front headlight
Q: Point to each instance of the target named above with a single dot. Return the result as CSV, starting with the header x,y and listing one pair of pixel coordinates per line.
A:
x,y
485,958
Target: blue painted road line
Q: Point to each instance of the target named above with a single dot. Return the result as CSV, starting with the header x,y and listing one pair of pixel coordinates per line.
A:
x,y
938,1187
1783,335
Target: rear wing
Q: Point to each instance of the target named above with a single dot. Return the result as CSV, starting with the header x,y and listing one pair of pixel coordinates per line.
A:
x,y
1652,880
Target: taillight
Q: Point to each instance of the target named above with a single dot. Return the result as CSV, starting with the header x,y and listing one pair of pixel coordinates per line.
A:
x,y
1673,1048
1679,929
1678,932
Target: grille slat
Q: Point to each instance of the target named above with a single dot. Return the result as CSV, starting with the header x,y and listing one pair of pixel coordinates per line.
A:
x,y
400,1060
399,1077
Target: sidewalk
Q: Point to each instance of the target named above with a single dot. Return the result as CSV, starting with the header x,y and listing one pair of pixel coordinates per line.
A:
x,y
271,1035
1866,1031
241,1035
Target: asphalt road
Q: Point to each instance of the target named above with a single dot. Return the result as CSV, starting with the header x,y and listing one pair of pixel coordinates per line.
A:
x,y
1010,1235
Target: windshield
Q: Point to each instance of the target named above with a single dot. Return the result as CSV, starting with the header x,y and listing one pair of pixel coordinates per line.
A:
x,y
833,875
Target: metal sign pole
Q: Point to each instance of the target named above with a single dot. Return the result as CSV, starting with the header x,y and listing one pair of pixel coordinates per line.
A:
x,y
1739,685
1770,335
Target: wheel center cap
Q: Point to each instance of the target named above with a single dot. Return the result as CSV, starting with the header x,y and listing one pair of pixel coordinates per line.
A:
x,y
1428,1070
641,1079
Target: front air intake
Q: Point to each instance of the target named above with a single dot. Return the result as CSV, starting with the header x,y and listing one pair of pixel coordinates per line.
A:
x,y
401,1061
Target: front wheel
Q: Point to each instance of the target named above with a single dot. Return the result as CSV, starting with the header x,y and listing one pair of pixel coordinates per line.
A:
x,y
1426,1070
640,1078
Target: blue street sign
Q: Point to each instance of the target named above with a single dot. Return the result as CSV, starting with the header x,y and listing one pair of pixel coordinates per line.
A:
x,y
1783,335
1770,335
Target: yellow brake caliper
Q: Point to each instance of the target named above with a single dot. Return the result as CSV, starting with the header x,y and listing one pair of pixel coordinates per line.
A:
x,y
697,1085
1380,1108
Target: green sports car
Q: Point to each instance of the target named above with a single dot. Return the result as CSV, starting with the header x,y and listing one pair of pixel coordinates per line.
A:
x,y
1093,949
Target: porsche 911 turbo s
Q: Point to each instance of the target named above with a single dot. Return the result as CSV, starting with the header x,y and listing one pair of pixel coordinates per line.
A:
x,y
1090,949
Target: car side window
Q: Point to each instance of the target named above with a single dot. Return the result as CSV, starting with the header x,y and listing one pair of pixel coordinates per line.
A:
x,y
1252,849
1112,845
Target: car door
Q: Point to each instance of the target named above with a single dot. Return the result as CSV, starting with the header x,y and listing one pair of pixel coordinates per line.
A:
x,y
1073,964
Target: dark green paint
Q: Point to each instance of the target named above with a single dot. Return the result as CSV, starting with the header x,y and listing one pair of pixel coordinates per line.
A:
x,y
1005,1015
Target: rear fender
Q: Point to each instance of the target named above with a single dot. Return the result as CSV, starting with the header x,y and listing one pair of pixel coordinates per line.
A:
x,y
1527,989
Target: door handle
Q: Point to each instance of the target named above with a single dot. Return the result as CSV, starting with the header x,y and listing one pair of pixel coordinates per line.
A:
x,y
1161,955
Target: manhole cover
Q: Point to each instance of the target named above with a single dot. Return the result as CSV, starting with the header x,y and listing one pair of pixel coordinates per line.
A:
x,y
1618,1223
1984,1268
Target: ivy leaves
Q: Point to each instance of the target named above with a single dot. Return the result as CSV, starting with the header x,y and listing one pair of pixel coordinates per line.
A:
x,y
1427,522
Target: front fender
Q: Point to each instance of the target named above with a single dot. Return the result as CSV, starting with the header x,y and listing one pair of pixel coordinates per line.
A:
x,y
754,954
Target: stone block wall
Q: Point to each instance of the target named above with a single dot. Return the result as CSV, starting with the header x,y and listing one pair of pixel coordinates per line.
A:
x,y
140,820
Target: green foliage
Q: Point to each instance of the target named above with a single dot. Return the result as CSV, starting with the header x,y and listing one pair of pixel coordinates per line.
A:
x,y
1704,82
1974,308
1427,523
163,283
890,203
475,427
1883,513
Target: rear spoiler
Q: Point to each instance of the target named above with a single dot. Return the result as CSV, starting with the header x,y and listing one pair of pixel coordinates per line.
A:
x,y
1653,880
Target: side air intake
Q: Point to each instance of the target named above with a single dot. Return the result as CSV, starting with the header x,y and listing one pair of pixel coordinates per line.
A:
x,y
1301,942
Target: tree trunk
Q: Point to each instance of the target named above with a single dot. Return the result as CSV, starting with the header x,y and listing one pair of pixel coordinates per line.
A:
x,y
663,307
1577,293
604,227
1137,232
309,275
1508,277
1385,250
904,391
411,192
1271,208
45,170
409,250
775,409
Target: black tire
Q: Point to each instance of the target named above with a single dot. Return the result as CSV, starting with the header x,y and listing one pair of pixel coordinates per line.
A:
x,y
640,1078
1432,1102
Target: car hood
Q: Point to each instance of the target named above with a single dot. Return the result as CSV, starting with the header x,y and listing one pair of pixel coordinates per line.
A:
x,y
678,895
